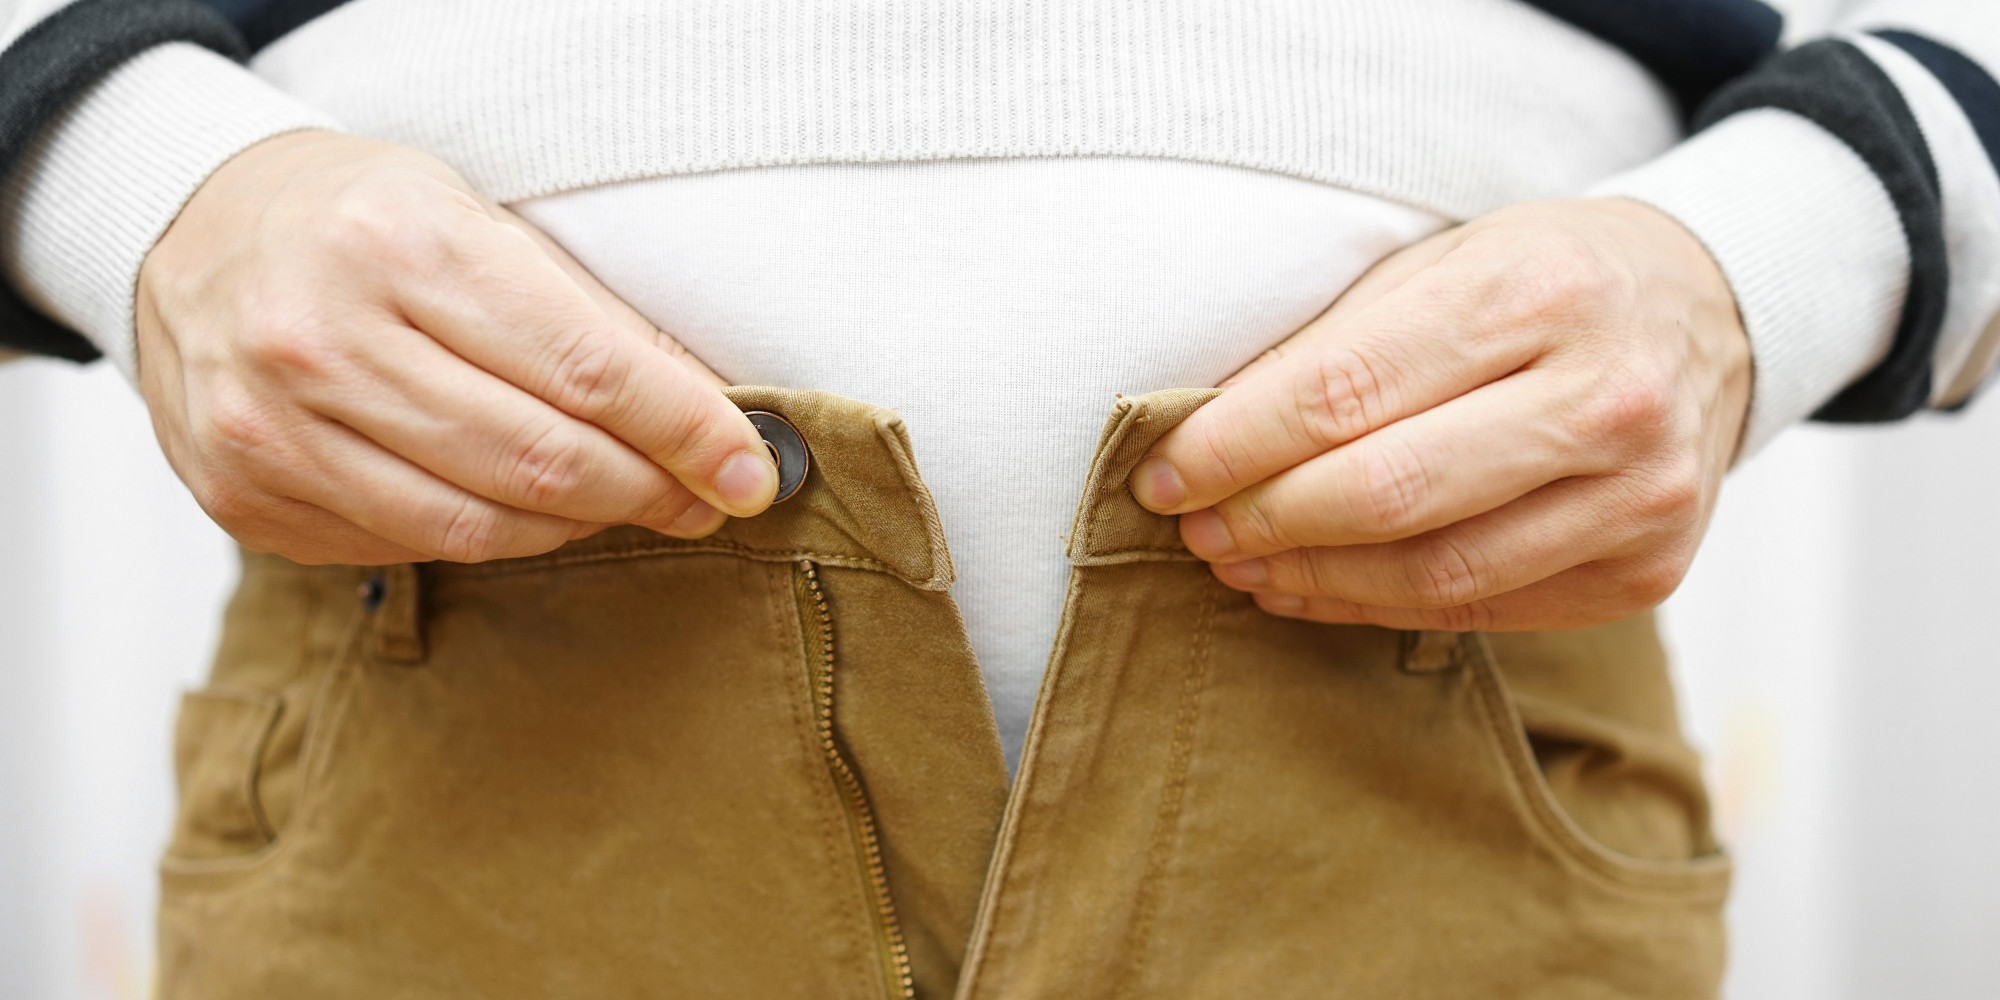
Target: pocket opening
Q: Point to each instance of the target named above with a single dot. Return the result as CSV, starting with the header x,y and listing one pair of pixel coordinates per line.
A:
x,y
1704,873
220,742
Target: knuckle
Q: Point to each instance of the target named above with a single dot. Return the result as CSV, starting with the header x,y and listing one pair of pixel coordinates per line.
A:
x,y
1630,406
1252,525
1316,576
588,376
1561,279
1672,499
1651,581
240,424
1442,575
288,343
1679,499
1340,399
1391,491
472,533
548,469
228,504
1567,274
378,216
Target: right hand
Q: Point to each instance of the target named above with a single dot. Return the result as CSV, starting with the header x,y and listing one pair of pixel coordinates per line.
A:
x,y
351,357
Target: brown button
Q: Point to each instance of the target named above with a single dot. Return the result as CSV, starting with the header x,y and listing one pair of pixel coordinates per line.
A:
x,y
788,449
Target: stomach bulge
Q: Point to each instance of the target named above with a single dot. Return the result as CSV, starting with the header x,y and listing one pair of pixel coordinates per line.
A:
x,y
998,305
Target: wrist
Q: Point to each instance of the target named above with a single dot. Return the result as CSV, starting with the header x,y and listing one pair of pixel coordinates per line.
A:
x,y
1679,269
109,174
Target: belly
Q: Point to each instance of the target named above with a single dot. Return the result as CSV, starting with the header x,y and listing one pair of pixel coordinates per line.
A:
x,y
999,305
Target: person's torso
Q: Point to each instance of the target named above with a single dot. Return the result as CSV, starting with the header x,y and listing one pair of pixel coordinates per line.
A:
x,y
992,217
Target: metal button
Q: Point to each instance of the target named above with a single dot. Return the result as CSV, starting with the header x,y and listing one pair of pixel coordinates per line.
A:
x,y
788,449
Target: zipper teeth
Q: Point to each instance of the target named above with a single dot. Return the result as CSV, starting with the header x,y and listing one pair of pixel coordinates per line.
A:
x,y
850,786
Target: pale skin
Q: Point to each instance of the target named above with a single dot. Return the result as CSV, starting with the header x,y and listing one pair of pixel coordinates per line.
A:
x,y
351,357
1520,423
1523,422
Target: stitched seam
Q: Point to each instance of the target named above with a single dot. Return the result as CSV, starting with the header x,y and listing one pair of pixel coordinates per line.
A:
x,y
895,437
313,753
1697,878
270,704
1111,558
997,887
1173,796
1106,451
785,618
554,561
274,710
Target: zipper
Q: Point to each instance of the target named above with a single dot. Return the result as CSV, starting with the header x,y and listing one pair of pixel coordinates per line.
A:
x,y
818,628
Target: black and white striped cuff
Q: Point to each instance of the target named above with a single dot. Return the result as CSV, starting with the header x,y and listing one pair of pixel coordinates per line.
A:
x,y
1847,192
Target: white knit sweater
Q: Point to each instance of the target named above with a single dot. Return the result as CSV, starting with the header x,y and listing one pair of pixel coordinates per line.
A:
x,y
1444,109
1454,106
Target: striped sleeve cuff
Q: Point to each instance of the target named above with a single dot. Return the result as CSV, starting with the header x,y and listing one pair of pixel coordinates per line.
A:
x,y
1956,106
107,177
1810,242
1850,189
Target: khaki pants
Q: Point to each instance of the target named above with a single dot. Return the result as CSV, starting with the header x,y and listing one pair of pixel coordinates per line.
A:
x,y
762,765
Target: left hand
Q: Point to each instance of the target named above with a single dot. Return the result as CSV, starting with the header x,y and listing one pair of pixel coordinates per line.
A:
x,y
1520,423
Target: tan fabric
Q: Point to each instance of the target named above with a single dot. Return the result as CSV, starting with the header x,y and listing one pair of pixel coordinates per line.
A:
x,y
762,765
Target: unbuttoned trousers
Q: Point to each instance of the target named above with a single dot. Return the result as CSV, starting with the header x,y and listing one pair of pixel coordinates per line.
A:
x,y
763,765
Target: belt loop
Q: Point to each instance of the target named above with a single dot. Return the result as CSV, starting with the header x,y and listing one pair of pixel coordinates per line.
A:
x,y
394,595
1431,651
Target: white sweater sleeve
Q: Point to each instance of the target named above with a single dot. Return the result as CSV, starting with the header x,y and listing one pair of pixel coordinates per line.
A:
x,y
1809,241
107,177
1847,195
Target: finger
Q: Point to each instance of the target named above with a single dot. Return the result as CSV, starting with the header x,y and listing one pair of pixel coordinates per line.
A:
x,y
1580,597
333,467
1427,341
493,297
620,311
1520,544
314,536
1463,458
408,394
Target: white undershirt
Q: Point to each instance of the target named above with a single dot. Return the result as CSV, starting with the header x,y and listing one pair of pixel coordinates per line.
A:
x,y
999,305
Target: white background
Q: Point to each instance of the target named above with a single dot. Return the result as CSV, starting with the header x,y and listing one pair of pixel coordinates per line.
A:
x,y
1835,645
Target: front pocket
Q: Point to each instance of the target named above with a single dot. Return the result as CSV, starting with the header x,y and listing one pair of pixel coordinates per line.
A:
x,y
220,743
1611,799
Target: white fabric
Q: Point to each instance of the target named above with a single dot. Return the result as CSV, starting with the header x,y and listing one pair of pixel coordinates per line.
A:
x,y
1970,26
79,215
1810,243
999,305
17,16
1452,106
1447,104
1459,106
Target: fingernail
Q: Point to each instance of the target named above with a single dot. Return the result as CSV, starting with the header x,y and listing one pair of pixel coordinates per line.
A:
x,y
747,482
1281,604
1157,484
697,521
1248,573
1206,536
